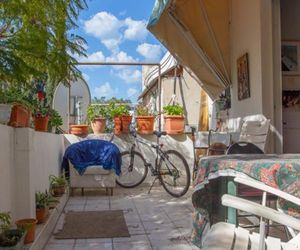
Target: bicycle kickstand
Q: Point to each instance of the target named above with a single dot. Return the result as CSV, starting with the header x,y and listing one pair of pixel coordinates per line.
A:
x,y
152,184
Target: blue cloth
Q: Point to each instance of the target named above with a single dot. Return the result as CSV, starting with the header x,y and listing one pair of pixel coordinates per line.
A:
x,y
93,152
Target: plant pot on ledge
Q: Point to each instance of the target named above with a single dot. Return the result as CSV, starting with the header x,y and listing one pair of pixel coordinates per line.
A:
x,y
19,117
126,120
174,124
117,125
98,125
41,123
145,124
79,130
29,225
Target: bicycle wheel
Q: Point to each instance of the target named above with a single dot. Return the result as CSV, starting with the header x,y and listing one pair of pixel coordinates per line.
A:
x,y
174,173
133,170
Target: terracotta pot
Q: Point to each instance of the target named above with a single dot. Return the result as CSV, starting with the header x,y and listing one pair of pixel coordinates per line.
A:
x,y
58,190
41,214
29,225
145,124
41,123
19,117
98,125
118,125
174,124
80,130
126,120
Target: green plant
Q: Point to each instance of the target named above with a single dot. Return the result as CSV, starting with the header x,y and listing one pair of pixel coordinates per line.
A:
x,y
117,110
8,236
94,111
16,94
42,199
55,120
142,110
175,109
57,181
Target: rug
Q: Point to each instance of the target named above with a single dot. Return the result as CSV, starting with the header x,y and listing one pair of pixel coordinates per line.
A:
x,y
94,224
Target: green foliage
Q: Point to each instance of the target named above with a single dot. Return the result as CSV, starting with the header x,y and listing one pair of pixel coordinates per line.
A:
x,y
5,221
115,109
42,199
94,111
55,120
35,40
173,109
8,237
57,181
16,94
142,110
113,99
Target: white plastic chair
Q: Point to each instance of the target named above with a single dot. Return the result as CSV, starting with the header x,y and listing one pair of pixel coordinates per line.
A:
x,y
223,236
255,129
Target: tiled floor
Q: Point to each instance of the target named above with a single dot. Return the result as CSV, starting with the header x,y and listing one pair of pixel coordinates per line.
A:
x,y
155,220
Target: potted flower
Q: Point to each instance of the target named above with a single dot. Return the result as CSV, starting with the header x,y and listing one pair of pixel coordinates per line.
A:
x,y
10,239
57,185
144,120
174,119
96,115
41,107
41,203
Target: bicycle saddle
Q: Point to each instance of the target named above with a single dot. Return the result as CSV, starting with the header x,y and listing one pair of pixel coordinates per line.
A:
x,y
159,133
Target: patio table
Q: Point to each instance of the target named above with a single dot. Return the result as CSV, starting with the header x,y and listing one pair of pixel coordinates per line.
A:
x,y
278,171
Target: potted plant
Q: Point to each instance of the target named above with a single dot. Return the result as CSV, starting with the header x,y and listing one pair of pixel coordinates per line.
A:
x,y
28,225
174,119
57,185
41,203
144,120
16,99
10,239
120,114
81,130
96,115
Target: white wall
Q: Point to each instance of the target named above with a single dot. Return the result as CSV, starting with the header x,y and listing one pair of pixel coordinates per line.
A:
x,y
6,169
27,160
246,38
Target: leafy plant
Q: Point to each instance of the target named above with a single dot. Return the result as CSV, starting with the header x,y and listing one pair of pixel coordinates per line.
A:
x,y
175,109
57,181
8,237
16,94
94,111
117,110
42,199
55,120
142,110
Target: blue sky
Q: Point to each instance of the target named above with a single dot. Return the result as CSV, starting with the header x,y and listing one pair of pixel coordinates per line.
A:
x,y
115,30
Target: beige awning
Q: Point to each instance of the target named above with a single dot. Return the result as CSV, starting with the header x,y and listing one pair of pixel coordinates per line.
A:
x,y
196,32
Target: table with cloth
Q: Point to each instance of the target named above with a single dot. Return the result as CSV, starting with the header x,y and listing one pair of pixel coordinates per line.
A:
x,y
278,171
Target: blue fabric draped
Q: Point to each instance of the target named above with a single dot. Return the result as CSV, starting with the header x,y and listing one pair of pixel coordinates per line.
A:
x,y
93,152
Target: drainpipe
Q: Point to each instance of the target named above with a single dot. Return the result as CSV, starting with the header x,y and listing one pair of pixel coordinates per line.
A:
x,y
159,98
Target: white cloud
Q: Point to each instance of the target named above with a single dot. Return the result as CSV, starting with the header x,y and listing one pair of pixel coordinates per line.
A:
x,y
131,92
113,31
151,52
121,56
136,30
106,27
130,75
105,90
94,57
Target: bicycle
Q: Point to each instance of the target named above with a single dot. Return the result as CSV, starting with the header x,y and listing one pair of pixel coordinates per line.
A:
x,y
170,168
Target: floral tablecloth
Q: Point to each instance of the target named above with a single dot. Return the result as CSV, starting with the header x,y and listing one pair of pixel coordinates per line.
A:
x,y
278,171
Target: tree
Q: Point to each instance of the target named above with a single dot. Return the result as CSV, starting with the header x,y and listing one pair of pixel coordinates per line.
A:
x,y
103,100
36,41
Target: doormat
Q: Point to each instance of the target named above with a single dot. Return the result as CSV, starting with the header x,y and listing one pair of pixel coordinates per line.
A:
x,y
94,224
